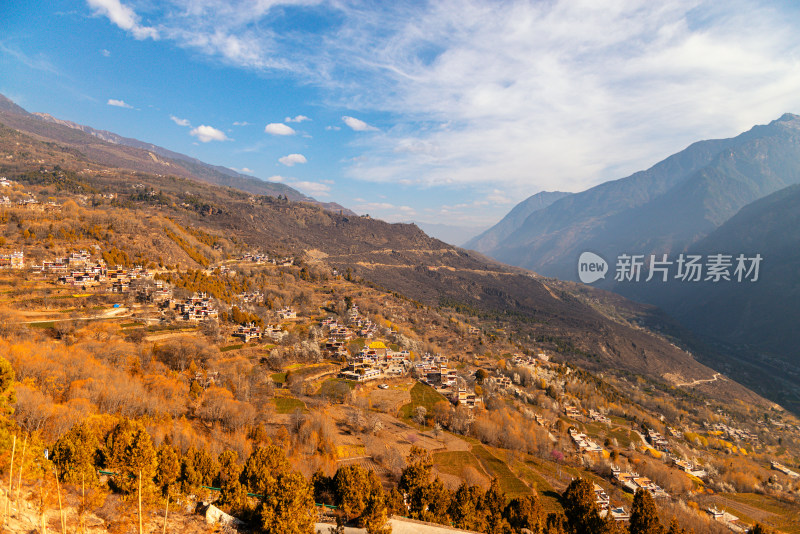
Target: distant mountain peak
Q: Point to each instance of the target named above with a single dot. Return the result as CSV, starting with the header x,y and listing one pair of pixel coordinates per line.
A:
x,y
789,119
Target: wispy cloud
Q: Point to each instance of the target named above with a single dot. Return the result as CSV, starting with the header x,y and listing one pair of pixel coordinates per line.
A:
x,y
278,128
105,53
386,210
523,95
180,122
38,62
314,189
124,17
358,125
118,103
241,123
293,159
208,133
298,118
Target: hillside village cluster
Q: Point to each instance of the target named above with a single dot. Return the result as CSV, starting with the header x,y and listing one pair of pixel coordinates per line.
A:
x,y
378,361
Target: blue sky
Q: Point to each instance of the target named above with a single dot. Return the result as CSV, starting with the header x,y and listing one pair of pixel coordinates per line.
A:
x,y
448,111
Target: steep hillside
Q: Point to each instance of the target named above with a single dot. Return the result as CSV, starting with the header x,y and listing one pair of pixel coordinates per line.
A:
x,y
666,208
753,323
488,240
116,151
398,257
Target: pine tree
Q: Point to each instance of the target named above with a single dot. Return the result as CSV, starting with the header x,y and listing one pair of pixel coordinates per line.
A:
x,y
466,508
436,500
675,528
262,467
414,479
580,508
494,503
76,454
644,516
524,513
168,470
289,508
375,516
556,524
233,495
350,485
395,502
131,454
198,468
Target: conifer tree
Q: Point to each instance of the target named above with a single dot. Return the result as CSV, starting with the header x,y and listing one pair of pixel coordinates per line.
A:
x,y
76,454
675,528
415,478
580,508
198,468
168,470
644,516
524,513
350,485
466,508
494,503
375,516
262,467
131,454
289,507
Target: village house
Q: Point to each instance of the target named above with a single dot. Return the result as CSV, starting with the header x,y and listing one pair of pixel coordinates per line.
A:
x,y
464,397
632,482
13,260
657,440
286,314
783,469
584,443
248,332
688,467
197,308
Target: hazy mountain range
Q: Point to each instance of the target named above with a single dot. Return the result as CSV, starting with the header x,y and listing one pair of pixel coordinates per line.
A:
x,y
663,209
729,196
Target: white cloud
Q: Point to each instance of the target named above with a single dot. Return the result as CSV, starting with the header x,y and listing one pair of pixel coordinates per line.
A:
x,y
314,189
358,125
124,17
278,128
299,118
333,128
243,170
118,103
105,53
208,133
180,122
521,96
386,210
241,123
293,159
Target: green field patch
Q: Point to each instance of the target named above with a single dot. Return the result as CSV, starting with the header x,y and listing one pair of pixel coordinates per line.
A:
x,y
509,483
43,324
623,437
288,405
279,378
550,499
231,347
454,462
421,395
786,518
